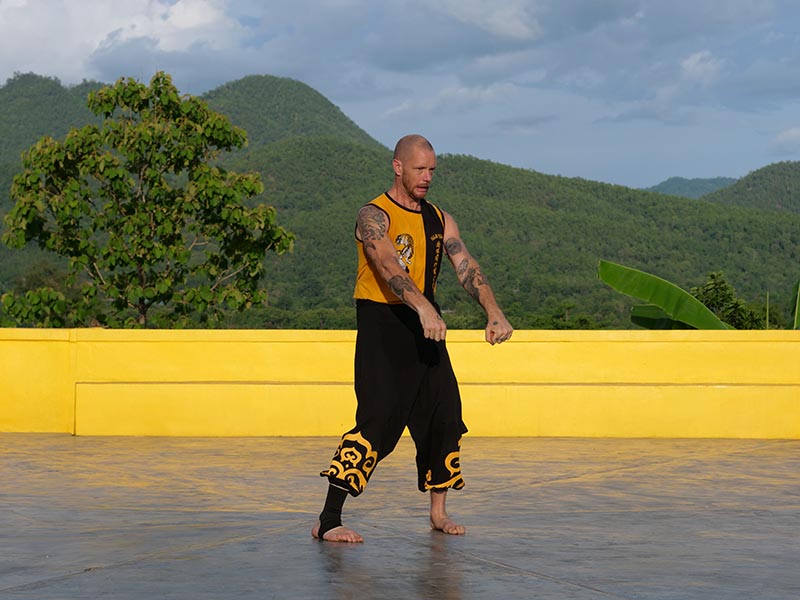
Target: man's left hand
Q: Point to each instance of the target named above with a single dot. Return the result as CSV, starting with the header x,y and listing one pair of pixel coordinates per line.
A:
x,y
498,330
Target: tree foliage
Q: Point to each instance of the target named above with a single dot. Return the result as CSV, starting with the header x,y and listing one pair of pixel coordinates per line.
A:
x,y
155,233
720,297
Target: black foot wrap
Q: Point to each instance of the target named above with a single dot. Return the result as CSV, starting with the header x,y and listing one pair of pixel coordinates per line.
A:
x,y
331,516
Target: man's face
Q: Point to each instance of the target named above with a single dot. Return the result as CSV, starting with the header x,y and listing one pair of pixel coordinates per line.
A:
x,y
417,172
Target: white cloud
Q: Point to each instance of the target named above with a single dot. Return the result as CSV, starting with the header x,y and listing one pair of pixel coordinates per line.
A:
x,y
60,38
453,99
513,19
701,67
179,26
786,143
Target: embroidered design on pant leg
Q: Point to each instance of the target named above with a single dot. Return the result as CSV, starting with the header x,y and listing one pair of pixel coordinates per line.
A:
x,y
353,462
453,464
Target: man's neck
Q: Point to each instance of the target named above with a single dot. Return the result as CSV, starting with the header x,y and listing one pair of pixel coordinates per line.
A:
x,y
404,200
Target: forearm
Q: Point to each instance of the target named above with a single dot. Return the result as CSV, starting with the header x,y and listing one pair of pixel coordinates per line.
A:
x,y
476,284
403,286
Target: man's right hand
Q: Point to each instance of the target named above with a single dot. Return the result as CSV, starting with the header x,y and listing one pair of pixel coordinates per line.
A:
x,y
433,326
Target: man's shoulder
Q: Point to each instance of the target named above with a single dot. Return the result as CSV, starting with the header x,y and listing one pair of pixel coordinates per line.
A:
x,y
379,200
376,202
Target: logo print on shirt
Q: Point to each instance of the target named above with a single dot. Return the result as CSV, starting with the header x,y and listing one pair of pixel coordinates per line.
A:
x,y
405,250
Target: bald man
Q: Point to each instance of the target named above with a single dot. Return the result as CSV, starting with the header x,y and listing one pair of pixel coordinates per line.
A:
x,y
403,375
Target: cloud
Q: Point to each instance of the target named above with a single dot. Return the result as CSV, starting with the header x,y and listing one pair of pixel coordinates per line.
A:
x,y
453,99
73,40
524,124
513,19
786,143
701,67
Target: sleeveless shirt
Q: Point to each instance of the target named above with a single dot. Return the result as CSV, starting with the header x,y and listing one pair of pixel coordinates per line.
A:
x,y
418,238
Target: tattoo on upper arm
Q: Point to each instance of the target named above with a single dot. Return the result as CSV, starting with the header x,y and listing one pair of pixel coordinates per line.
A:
x,y
372,223
453,246
400,284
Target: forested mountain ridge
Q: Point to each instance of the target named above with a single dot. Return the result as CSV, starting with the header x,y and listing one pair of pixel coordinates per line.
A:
x,y
271,108
539,237
691,188
774,187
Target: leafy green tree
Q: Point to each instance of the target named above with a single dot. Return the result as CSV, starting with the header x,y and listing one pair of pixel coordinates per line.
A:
x,y
155,232
720,296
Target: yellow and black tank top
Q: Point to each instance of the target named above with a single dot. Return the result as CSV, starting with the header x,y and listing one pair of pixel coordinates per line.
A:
x,y
418,238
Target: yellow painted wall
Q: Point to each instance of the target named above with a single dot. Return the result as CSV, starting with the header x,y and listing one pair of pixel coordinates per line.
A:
x,y
742,384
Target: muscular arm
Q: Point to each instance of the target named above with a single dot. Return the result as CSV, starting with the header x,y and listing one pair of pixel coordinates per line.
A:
x,y
371,226
472,279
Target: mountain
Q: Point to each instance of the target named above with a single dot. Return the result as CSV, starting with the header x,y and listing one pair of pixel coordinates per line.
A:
x,y
691,188
271,109
774,187
32,106
538,237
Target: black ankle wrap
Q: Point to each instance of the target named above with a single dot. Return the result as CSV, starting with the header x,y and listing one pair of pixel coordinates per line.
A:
x,y
331,515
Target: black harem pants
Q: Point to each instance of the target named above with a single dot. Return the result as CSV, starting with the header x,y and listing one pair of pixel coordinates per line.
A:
x,y
402,380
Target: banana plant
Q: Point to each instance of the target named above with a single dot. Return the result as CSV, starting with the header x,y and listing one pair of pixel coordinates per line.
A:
x,y
669,306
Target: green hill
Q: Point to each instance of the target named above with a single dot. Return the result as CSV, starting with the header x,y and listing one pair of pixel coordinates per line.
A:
x,y
691,188
274,108
32,106
774,187
538,236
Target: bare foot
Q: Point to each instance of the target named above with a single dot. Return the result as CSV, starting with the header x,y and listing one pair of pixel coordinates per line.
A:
x,y
446,525
337,534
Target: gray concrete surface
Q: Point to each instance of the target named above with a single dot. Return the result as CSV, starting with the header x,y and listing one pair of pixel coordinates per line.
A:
x,y
580,519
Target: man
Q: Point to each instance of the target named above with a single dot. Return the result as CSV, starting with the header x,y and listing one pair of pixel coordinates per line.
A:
x,y
403,375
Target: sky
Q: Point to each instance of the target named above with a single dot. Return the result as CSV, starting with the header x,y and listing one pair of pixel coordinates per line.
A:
x,y
629,92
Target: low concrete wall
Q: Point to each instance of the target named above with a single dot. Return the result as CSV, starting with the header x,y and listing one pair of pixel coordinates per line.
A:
x,y
299,383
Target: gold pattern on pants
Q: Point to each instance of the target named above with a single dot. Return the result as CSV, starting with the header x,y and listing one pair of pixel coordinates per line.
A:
x,y
353,462
453,464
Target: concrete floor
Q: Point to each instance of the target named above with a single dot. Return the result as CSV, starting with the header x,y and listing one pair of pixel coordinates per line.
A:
x,y
230,518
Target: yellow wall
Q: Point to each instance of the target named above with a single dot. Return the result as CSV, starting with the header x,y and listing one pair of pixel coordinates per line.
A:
x,y
299,383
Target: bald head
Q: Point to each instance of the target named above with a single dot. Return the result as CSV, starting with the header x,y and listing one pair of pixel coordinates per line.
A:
x,y
414,163
407,144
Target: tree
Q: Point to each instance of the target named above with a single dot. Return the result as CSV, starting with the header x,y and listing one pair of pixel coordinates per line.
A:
x,y
155,233
720,296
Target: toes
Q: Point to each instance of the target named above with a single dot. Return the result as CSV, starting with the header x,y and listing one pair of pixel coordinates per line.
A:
x,y
337,534
449,527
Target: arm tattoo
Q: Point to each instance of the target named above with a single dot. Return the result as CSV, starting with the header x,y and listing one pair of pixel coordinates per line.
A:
x,y
453,246
400,284
473,281
462,268
371,223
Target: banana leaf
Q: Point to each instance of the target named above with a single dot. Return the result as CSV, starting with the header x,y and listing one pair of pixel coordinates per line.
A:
x,y
679,305
796,315
651,316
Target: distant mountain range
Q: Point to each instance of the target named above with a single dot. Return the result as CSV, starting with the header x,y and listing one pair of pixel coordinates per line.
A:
x,y
539,237
691,188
